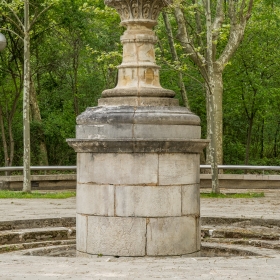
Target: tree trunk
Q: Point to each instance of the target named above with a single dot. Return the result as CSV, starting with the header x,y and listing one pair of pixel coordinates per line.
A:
x,y
3,136
213,90
218,112
36,116
262,140
275,148
75,64
211,65
26,107
248,144
213,145
175,58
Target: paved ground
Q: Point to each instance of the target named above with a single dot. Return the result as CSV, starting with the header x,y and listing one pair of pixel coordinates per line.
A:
x,y
15,267
42,268
267,207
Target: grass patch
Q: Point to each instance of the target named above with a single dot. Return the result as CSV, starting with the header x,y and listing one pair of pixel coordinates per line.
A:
x,y
231,195
36,194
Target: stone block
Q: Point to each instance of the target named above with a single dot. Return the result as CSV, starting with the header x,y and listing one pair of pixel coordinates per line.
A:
x,y
114,236
106,115
158,132
114,168
274,177
104,131
141,131
172,236
256,177
178,169
198,233
81,232
138,101
229,176
191,200
95,199
148,201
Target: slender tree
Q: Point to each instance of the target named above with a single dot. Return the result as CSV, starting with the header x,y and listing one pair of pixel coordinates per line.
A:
x,y
24,29
210,35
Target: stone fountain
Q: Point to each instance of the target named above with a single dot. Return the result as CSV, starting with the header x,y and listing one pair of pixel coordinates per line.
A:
x,y
138,156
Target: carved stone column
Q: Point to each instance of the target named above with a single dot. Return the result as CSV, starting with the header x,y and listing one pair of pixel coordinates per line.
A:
x,y
138,156
138,75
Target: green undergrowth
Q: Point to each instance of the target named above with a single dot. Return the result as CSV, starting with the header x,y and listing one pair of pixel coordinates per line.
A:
x,y
231,195
36,194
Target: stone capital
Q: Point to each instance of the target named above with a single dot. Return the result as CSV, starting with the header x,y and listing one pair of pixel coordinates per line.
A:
x,y
145,11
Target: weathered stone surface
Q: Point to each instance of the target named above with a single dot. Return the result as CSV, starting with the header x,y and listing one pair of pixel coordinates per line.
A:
x,y
138,101
191,200
114,236
137,146
81,232
33,222
148,201
138,12
114,168
138,131
127,86
95,199
135,115
165,115
178,169
102,115
172,236
104,131
198,233
159,132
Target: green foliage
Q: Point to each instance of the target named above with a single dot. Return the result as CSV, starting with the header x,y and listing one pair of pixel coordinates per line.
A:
x,y
251,92
36,194
231,195
75,51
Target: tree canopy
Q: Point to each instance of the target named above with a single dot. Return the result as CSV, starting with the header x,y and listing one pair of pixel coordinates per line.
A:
x,y
75,49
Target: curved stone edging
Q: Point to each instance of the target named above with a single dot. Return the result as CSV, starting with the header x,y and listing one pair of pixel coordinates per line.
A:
x,y
173,115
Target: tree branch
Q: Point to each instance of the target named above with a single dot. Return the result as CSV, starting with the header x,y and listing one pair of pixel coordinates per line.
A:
x,y
198,25
14,13
9,30
187,43
219,19
15,24
249,11
38,15
236,32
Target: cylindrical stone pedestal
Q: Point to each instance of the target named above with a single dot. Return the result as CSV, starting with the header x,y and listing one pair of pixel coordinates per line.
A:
x,y
138,181
138,156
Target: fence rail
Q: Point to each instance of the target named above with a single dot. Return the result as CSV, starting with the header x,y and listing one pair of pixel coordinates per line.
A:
x,y
20,168
243,167
68,181
72,167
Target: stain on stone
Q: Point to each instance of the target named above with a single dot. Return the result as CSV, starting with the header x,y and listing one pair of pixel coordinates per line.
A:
x,y
149,76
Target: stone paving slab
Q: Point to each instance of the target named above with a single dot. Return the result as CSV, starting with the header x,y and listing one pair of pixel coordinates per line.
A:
x,y
21,209
41,268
